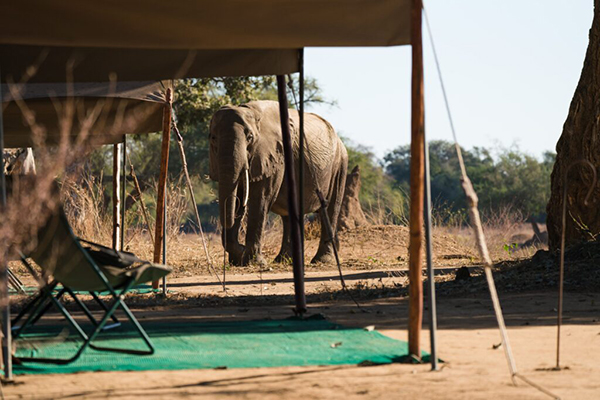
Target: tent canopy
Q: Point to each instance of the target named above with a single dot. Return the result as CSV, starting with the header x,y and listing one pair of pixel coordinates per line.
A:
x,y
88,64
111,109
152,40
206,24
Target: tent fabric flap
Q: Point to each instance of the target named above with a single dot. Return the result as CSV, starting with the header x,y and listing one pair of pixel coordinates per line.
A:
x,y
87,64
101,112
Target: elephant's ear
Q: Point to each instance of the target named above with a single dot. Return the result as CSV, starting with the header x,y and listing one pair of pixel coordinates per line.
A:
x,y
213,166
267,153
266,159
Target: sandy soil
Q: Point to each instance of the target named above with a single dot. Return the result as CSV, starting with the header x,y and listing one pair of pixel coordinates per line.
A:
x,y
374,269
474,368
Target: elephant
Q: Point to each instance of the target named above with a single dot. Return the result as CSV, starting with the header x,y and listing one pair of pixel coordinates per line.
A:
x,y
246,159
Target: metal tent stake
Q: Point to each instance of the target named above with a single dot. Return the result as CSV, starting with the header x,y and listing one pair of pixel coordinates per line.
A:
x,y
162,180
430,272
164,245
290,179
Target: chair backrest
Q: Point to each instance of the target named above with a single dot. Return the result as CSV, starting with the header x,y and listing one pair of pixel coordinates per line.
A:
x,y
59,253
56,249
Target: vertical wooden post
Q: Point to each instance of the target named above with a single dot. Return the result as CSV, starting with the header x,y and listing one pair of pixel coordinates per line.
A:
x,y
116,197
4,295
290,181
123,191
162,181
415,317
301,139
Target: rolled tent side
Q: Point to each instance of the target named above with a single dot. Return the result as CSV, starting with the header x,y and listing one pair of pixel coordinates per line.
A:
x,y
32,63
103,111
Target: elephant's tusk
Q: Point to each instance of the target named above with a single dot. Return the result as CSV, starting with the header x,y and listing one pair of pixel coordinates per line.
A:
x,y
247,189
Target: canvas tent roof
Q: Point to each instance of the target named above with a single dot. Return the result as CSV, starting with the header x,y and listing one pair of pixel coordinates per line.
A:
x,y
207,24
152,40
118,108
88,64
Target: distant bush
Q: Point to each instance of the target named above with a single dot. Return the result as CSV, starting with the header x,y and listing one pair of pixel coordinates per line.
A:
x,y
381,199
504,177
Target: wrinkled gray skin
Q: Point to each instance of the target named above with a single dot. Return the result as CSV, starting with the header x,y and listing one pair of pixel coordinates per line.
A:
x,y
248,138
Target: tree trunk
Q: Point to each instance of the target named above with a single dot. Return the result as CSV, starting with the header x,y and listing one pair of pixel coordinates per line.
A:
x,y
351,214
580,139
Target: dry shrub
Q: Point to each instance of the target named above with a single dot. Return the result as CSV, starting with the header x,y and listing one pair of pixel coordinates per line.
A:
x,y
177,208
312,229
500,226
85,205
380,213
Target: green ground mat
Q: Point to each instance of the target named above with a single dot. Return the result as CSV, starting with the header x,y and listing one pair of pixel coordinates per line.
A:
x,y
242,344
141,289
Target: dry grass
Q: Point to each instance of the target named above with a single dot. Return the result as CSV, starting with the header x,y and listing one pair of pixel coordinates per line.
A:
x,y
377,246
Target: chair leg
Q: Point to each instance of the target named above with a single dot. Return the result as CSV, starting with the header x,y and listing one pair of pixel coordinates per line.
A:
x,y
89,314
49,305
74,325
105,308
37,312
25,310
15,282
83,307
119,302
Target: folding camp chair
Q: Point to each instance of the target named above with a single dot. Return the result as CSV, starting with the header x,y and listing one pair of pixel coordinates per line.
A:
x,y
94,269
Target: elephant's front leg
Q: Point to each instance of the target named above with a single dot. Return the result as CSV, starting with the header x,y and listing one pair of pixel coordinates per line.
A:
x,y
259,203
231,242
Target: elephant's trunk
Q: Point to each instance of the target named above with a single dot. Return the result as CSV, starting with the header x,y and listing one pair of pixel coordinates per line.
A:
x,y
233,169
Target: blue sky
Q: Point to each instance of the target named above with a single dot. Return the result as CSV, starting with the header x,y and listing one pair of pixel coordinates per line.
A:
x,y
510,69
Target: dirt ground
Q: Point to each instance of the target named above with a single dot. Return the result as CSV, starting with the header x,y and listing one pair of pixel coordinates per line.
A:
x,y
474,368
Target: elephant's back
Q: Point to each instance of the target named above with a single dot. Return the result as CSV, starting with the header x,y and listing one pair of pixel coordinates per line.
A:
x,y
325,159
323,145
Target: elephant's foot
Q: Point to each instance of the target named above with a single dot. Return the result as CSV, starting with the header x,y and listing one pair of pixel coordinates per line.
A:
x,y
324,255
284,256
254,259
236,253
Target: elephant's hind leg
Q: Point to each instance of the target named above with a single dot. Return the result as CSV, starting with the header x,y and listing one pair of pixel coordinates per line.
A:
x,y
285,254
325,252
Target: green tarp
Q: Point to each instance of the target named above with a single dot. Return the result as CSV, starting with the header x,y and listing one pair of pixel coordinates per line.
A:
x,y
242,344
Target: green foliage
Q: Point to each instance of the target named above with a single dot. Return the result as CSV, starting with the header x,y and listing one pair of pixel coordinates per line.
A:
x,y
195,101
379,197
510,248
511,178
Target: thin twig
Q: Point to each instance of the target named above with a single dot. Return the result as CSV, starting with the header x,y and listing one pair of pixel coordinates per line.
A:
x,y
138,189
193,200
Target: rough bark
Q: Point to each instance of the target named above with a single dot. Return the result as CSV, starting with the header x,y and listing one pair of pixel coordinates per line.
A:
x,y
580,139
351,214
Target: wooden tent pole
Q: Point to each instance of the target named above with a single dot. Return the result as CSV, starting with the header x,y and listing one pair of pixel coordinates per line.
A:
x,y
123,191
4,294
290,180
116,197
162,181
415,318
301,144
